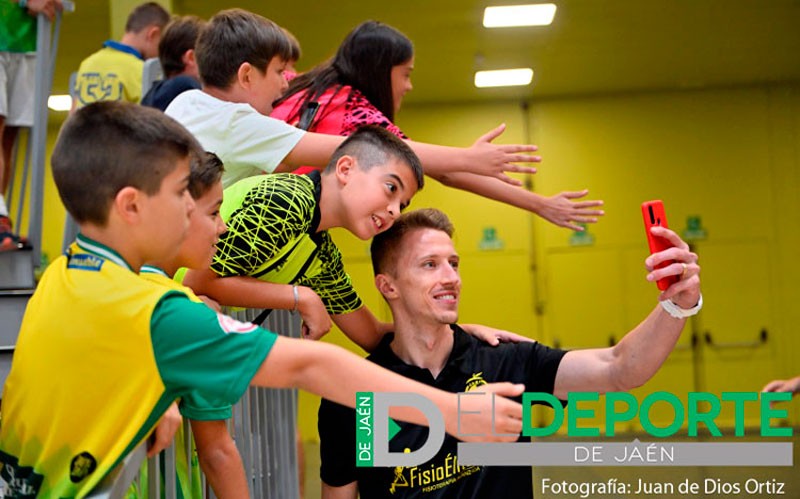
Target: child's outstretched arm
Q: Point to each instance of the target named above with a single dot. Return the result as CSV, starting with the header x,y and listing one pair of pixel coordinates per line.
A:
x,y
336,374
483,158
362,327
562,209
249,292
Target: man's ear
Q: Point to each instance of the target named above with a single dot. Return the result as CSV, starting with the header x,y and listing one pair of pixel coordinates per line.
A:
x,y
385,285
127,204
344,168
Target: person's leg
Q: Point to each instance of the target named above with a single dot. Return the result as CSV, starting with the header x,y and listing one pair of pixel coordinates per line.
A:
x,y
9,134
8,240
17,73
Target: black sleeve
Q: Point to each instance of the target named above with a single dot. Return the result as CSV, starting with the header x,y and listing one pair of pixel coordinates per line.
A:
x,y
541,365
337,443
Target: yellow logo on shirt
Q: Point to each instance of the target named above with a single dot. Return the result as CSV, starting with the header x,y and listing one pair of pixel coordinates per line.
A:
x,y
475,381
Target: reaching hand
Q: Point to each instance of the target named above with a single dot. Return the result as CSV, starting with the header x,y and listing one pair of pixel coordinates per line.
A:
x,y
485,415
561,210
494,160
212,304
46,7
316,321
165,430
493,336
783,385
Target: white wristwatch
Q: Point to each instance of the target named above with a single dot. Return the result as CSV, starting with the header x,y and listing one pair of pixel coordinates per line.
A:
x,y
681,313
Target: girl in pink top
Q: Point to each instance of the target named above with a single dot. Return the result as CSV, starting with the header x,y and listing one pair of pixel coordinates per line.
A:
x,y
364,84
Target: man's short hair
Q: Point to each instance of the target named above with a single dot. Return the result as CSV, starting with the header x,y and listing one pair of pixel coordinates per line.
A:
x,y
233,37
205,175
372,146
179,36
146,14
385,247
107,146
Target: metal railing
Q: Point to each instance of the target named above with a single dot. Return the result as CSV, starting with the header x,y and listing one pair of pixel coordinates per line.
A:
x,y
33,173
264,427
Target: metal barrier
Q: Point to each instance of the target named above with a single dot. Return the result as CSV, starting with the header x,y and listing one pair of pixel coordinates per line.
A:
x,y
264,427
116,483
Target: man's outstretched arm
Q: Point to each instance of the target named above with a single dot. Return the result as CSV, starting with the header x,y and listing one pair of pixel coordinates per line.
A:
x,y
639,355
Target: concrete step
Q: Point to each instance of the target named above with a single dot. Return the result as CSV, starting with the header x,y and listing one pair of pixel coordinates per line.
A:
x,y
16,269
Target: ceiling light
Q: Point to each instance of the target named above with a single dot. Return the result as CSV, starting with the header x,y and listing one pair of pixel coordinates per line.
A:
x,y
59,102
519,15
503,77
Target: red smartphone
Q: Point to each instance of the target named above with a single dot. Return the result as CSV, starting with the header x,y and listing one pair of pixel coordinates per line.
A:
x,y
653,214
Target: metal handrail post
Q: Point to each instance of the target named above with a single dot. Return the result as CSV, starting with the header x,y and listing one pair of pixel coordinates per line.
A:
x,y
38,137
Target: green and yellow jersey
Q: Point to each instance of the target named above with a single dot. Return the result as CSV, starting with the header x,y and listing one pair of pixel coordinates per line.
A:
x,y
273,235
101,354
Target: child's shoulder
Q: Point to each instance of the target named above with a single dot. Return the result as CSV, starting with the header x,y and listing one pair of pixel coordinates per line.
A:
x,y
279,192
268,184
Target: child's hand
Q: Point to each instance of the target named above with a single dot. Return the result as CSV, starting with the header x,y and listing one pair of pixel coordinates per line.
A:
x,y
493,336
165,430
783,385
487,416
493,160
212,304
316,321
561,210
46,7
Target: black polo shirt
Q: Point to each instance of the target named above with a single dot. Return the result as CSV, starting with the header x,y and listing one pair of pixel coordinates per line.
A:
x,y
471,363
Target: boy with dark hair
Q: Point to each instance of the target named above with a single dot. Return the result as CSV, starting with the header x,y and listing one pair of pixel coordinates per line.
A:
x,y
132,347
242,57
277,253
115,72
416,271
176,55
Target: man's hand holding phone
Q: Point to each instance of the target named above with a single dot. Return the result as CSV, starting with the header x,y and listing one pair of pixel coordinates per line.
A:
x,y
671,264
